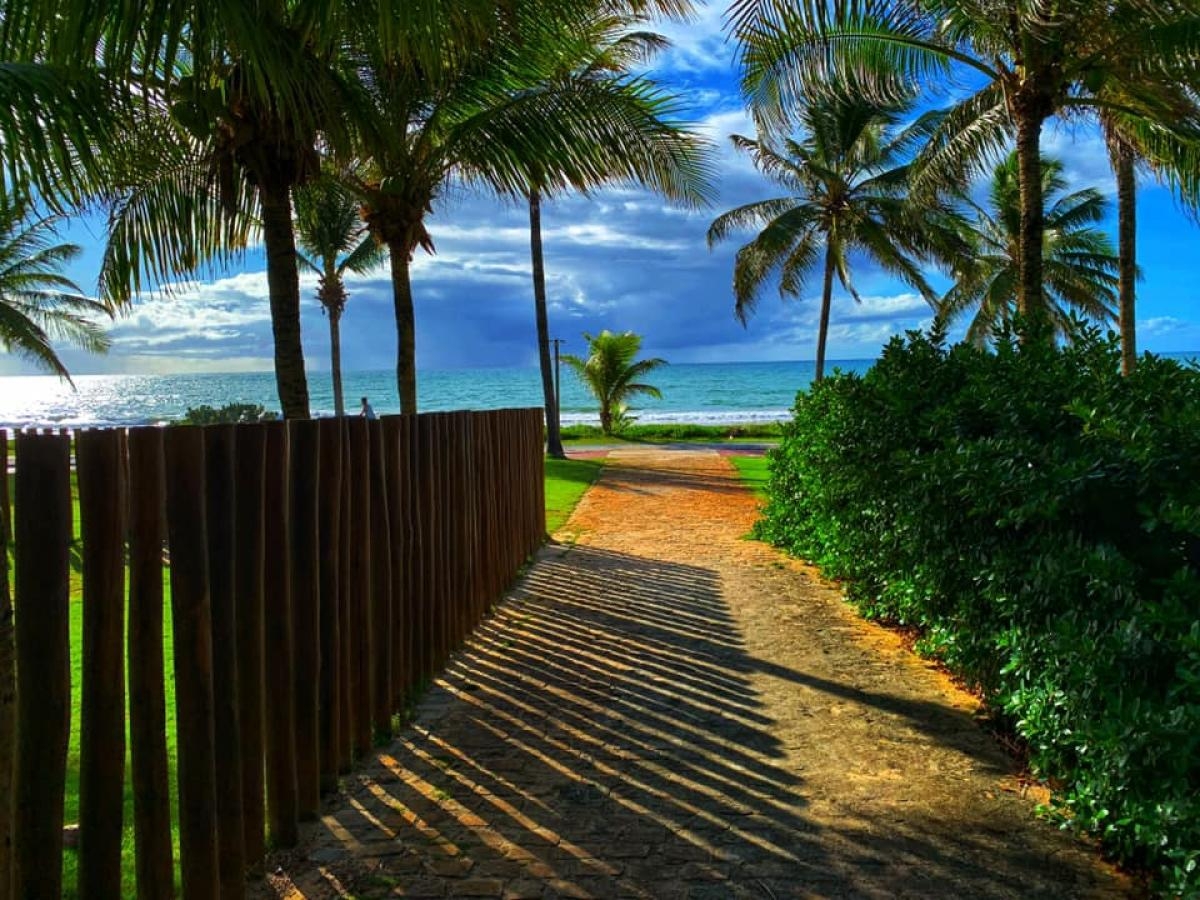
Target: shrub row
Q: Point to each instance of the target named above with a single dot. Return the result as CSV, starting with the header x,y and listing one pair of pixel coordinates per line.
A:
x,y
1037,517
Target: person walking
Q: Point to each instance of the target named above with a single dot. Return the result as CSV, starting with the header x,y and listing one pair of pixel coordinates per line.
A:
x,y
367,412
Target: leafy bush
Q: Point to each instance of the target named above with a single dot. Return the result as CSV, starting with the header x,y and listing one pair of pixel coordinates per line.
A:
x,y
230,413
1037,516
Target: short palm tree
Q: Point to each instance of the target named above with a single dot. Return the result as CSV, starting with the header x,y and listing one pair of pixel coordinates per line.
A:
x,y
1080,266
332,234
38,304
847,192
611,372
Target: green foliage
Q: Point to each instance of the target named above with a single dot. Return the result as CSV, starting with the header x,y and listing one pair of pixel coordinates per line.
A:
x,y
38,304
1078,263
1038,518
611,372
235,413
847,176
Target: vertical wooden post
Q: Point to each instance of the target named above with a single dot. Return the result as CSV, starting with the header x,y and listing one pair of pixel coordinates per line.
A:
x,y
381,587
410,536
330,516
423,485
393,444
471,481
8,690
443,462
347,585
306,612
537,457
361,651
42,531
222,552
147,678
461,483
192,618
453,525
100,469
487,491
249,526
279,718
436,513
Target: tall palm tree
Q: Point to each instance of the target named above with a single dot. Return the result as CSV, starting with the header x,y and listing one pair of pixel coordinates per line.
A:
x,y
38,304
245,89
1173,154
847,189
1080,266
249,113
610,372
332,233
1016,65
610,51
505,120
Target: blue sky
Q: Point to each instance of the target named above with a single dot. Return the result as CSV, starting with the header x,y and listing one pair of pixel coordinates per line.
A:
x,y
622,259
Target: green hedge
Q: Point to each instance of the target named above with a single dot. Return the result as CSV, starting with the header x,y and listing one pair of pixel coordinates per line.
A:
x,y
1037,516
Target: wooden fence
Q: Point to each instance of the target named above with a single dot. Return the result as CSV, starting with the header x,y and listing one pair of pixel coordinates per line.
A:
x,y
320,572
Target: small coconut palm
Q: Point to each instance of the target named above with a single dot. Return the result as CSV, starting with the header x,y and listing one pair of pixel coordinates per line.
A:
x,y
611,372
38,304
335,240
1079,266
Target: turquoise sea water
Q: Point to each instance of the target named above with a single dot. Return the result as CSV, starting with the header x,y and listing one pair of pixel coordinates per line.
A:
x,y
716,393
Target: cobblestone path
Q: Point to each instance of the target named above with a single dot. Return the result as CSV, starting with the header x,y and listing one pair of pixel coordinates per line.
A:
x,y
664,709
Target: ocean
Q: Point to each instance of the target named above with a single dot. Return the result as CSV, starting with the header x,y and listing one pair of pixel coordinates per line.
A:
x,y
716,393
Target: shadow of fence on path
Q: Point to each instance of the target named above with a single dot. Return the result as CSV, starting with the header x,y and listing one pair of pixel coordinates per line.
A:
x,y
602,736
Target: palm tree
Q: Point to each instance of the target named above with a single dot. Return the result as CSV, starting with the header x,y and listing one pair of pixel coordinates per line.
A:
x,y
847,192
1023,63
609,52
611,370
249,116
38,304
1173,154
333,235
504,119
234,96
1080,264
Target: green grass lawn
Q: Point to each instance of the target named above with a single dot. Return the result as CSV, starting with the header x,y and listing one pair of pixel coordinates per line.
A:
x,y
755,471
566,480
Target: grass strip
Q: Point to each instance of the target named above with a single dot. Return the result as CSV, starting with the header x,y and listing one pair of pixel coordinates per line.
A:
x,y
755,472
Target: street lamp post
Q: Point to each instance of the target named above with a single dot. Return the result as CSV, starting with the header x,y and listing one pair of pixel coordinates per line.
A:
x,y
557,385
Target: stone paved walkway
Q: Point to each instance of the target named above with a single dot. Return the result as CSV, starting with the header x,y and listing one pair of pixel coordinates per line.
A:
x,y
663,709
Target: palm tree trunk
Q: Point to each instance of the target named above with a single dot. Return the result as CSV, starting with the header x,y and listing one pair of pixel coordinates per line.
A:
x,y
283,281
406,340
1033,220
335,360
826,302
1127,248
554,446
